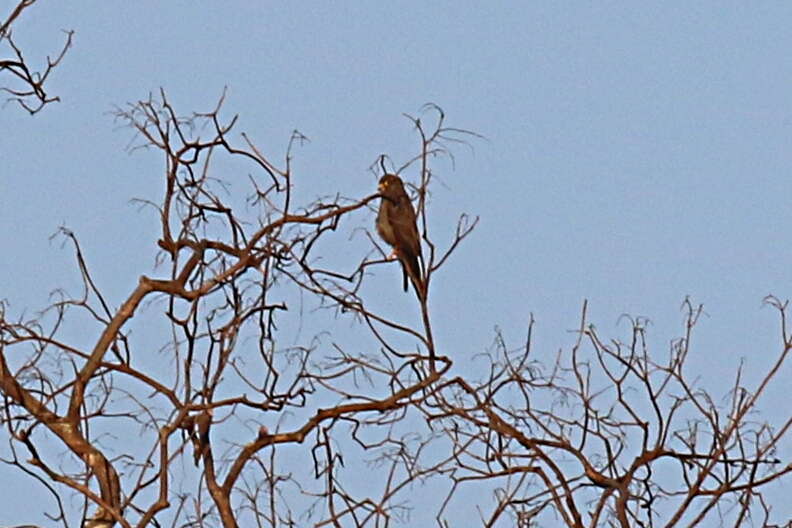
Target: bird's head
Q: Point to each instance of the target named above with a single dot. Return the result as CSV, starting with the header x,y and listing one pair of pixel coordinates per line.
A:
x,y
390,185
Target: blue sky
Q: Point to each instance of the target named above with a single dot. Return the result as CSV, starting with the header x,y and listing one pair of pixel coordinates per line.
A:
x,y
635,153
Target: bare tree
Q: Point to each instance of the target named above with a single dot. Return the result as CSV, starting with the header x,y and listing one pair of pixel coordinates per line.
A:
x,y
609,436
233,267
256,380
24,83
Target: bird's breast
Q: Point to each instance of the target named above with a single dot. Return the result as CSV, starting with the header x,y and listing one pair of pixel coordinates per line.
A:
x,y
384,227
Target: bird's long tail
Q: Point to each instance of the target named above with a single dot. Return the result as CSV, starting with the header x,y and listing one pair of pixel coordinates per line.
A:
x,y
411,268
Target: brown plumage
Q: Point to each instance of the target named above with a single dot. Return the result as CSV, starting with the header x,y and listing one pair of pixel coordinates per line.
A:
x,y
200,437
396,226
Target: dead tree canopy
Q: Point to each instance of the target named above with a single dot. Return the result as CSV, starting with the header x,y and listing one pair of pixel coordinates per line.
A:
x,y
254,377
20,80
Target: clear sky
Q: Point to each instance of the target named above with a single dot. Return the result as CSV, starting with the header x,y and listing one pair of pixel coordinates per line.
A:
x,y
636,153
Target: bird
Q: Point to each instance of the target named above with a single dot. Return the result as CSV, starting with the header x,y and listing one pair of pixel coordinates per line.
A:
x,y
396,226
200,437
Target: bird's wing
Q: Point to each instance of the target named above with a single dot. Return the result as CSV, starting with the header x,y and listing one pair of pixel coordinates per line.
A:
x,y
402,221
408,241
